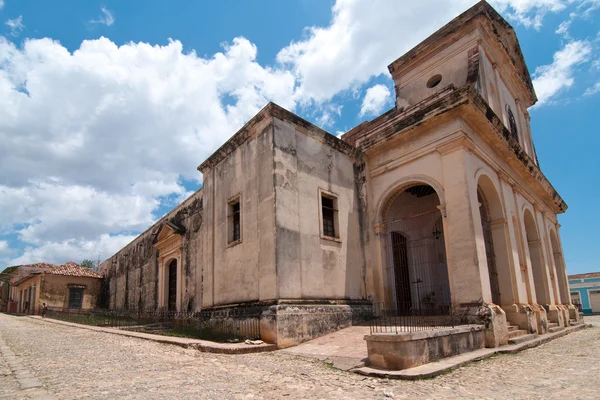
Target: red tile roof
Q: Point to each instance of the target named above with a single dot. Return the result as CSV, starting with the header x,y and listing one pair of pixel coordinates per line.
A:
x,y
585,276
73,269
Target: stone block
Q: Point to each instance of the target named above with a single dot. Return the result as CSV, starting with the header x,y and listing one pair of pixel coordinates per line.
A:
x,y
407,350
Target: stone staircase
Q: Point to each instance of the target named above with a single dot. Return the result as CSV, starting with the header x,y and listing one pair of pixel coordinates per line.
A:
x,y
553,327
574,322
516,335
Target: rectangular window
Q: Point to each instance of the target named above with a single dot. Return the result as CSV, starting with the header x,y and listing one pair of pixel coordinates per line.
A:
x,y
234,221
329,216
75,298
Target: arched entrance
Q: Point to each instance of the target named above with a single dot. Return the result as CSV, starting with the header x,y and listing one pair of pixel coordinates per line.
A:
x,y
536,259
415,253
494,226
559,264
172,286
486,224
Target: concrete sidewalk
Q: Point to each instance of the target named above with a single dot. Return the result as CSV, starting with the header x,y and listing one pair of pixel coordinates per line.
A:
x,y
202,345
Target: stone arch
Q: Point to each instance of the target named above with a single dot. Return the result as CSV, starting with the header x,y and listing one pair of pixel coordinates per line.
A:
x,y
494,226
536,258
522,259
561,272
403,183
411,234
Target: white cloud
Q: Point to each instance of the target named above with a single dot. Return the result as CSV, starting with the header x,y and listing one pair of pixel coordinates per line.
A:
x,y
551,79
106,18
530,13
16,25
91,139
73,250
4,248
593,90
375,99
1,4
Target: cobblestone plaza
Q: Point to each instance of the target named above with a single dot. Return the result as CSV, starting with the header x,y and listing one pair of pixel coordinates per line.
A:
x,y
74,363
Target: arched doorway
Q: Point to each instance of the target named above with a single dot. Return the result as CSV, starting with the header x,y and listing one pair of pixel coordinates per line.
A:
x,y
486,224
494,227
559,264
536,259
172,286
415,253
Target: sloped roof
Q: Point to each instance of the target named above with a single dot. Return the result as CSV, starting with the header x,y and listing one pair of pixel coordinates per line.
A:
x,y
73,269
585,276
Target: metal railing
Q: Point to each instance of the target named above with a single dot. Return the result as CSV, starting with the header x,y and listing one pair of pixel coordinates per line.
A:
x,y
229,325
410,319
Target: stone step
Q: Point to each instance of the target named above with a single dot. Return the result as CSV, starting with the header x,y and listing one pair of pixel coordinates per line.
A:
x,y
517,333
574,322
552,325
521,339
555,329
513,328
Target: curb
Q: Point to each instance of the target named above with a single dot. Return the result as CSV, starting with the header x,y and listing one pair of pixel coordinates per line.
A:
x,y
204,346
442,366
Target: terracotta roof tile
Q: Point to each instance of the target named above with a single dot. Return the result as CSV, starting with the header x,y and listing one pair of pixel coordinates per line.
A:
x,y
73,269
585,276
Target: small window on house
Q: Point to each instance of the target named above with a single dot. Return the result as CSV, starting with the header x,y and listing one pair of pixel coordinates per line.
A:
x,y
234,221
434,81
512,123
75,298
329,214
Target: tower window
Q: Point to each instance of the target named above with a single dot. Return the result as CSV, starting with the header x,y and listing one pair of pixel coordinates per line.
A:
x,y
512,123
434,81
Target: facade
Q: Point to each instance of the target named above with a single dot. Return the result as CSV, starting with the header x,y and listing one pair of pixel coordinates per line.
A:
x,y
585,292
438,205
64,287
10,275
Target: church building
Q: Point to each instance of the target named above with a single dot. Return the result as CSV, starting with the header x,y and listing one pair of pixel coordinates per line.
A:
x,y
439,202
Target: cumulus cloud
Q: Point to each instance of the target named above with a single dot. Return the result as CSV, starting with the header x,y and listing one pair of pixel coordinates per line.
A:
x,y
1,4
106,18
375,99
552,78
15,25
74,250
92,139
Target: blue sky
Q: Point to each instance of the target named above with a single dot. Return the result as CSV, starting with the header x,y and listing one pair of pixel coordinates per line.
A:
x,y
106,108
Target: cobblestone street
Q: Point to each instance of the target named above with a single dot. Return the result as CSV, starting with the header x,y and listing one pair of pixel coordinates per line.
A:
x,y
75,363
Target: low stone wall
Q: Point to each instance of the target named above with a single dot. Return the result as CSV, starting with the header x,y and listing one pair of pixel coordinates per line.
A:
x,y
407,350
290,322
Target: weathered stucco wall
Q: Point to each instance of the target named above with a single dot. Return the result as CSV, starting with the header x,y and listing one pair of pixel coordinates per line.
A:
x,y
309,265
243,271
132,274
54,291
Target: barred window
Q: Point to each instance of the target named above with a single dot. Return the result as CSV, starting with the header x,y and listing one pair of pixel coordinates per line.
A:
x,y
75,298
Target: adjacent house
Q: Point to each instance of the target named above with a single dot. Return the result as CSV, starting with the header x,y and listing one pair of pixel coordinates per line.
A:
x,y
585,292
64,287
439,204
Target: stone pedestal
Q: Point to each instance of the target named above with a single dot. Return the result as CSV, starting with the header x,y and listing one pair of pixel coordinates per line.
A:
x,y
521,315
541,318
573,313
555,314
493,318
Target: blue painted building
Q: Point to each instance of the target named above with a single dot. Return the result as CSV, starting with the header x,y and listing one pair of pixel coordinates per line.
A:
x,y
585,291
